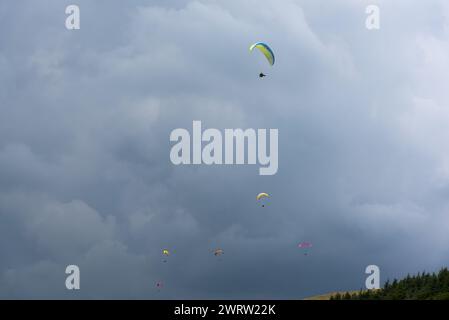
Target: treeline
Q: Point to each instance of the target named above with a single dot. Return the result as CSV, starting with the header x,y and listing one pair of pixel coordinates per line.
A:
x,y
424,286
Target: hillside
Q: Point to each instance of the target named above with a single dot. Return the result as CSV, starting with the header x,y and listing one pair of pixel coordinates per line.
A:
x,y
327,296
423,286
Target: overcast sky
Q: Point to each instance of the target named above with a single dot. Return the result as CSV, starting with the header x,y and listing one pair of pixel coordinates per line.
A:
x,y
85,172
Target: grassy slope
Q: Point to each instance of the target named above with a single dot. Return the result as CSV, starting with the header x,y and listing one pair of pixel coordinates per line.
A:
x,y
327,296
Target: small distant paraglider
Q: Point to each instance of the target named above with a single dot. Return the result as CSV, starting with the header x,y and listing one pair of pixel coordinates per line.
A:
x,y
159,285
261,196
166,253
305,246
266,51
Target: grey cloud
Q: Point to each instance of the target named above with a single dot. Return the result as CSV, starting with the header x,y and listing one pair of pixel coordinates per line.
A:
x,y
85,175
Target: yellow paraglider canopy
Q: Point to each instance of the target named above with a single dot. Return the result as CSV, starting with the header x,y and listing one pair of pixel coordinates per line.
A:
x,y
262,195
165,252
266,50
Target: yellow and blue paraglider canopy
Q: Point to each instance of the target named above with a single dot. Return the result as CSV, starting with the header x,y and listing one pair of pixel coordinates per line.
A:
x,y
266,50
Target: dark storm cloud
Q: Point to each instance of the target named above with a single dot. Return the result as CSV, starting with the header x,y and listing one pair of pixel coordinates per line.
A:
x,y
84,147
